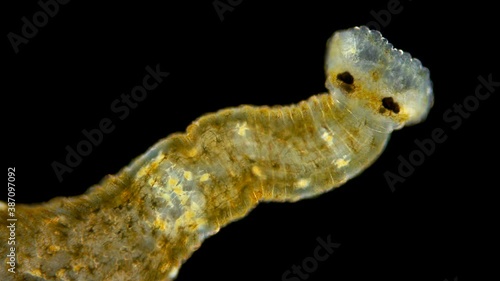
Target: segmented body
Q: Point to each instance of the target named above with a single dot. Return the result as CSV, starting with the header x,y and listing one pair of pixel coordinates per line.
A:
x,y
143,222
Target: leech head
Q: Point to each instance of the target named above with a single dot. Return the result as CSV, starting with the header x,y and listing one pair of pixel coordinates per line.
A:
x,y
388,83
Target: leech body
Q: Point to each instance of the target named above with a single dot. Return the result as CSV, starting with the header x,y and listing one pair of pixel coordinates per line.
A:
x,y
145,221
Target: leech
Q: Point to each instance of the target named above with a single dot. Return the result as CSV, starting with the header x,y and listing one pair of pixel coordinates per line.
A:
x,y
145,221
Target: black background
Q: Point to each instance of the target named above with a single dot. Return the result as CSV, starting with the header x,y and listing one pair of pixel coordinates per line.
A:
x,y
434,226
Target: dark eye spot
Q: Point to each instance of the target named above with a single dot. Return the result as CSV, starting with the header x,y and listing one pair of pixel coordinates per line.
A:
x,y
390,104
345,77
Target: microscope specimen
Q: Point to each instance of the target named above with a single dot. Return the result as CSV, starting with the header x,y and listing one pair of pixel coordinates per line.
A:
x,y
145,221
